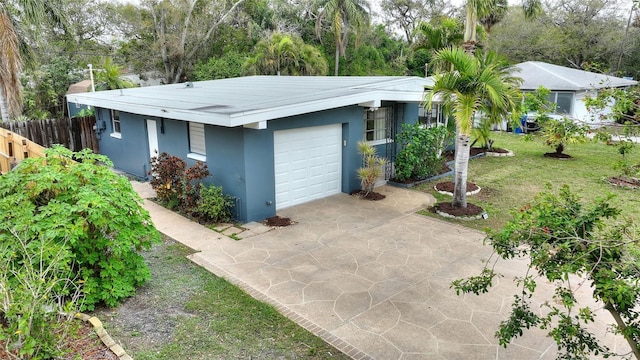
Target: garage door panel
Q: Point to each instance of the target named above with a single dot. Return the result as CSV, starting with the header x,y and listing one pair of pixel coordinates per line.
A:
x,y
308,164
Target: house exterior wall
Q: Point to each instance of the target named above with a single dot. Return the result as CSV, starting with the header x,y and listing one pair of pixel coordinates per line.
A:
x,y
591,118
130,152
241,160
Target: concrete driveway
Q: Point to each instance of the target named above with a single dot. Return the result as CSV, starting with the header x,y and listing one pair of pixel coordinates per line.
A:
x,y
372,278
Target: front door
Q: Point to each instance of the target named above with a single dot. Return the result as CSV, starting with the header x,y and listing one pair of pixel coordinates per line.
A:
x,y
152,133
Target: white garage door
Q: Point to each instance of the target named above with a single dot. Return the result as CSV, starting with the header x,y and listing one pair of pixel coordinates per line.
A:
x,y
308,164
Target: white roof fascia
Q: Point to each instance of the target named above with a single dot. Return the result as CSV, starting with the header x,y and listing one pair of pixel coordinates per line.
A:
x,y
242,118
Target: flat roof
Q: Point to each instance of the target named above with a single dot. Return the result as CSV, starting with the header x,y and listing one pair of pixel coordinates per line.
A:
x,y
254,99
558,78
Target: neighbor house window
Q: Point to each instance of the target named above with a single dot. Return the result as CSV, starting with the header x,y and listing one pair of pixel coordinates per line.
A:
x,y
375,125
115,124
197,148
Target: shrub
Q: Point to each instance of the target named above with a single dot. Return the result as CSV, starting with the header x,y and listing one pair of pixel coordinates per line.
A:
x,y
559,133
37,298
421,151
213,205
372,169
177,186
92,211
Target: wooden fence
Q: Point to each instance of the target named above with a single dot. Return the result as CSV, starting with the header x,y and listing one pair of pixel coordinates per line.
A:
x,y
15,148
75,134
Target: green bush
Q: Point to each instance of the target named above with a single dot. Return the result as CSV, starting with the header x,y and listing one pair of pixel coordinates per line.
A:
x,y
421,151
213,205
38,299
92,211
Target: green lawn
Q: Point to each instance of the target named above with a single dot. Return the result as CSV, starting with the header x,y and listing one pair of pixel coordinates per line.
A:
x,y
509,182
185,312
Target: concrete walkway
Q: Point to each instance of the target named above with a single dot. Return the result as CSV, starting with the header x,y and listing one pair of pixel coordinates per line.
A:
x,y
372,278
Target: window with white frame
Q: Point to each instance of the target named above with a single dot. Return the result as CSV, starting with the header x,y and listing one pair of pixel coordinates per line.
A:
x,y
375,125
432,117
197,148
115,123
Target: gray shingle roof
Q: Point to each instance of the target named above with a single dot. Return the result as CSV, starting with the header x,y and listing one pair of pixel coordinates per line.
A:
x,y
554,77
240,101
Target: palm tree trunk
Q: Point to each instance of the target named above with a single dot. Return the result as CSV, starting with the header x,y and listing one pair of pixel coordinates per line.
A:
x,y
337,58
4,108
461,168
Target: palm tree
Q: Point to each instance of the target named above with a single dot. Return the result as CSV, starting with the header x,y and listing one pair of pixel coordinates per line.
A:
x,y
483,9
18,18
344,15
287,55
475,83
108,78
436,35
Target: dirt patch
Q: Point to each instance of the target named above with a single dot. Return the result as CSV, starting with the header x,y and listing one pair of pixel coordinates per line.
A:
x,y
469,211
498,150
448,186
555,155
624,181
277,221
372,195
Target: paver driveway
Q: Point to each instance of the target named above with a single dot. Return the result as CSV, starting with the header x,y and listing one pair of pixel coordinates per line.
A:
x,y
372,278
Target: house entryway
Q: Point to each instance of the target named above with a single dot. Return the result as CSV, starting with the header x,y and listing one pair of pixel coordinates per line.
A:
x,y
308,164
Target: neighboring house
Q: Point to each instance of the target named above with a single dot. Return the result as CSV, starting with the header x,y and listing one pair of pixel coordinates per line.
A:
x,y
77,88
271,142
569,87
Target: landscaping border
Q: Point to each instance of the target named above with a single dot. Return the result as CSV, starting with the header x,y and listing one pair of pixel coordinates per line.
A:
x,y
106,339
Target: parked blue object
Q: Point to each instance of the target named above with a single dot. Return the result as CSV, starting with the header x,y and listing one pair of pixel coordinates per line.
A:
x,y
523,124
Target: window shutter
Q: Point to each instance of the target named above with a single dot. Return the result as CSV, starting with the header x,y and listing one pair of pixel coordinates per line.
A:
x,y
196,138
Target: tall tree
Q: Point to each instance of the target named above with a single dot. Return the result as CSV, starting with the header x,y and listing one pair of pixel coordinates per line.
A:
x,y
343,16
478,9
405,15
182,28
19,19
467,82
474,83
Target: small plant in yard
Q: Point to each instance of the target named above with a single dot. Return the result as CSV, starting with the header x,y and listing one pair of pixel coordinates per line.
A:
x,y
177,186
562,239
37,298
373,167
213,205
482,135
560,133
420,155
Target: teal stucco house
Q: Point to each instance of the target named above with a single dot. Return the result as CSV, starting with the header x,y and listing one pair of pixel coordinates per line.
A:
x,y
270,141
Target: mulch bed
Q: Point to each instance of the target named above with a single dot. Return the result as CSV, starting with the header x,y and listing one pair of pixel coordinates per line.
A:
x,y
470,210
449,185
373,196
624,181
277,221
555,155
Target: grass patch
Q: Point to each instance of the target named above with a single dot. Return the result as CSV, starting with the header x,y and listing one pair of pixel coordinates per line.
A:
x,y
185,312
508,183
